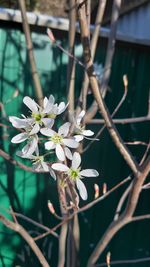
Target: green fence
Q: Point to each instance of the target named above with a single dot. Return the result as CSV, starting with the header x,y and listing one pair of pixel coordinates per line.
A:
x,y
28,193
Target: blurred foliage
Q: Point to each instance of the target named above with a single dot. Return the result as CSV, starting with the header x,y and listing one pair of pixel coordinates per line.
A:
x,y
55,8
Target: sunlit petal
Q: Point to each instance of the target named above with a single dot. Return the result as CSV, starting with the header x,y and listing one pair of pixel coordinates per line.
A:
x,y
48,122
89,173
61,107
78,137
82,189
19,123
35,129
49,145
64,129
60,167
60,152
76,160
31,104
19,138
52,173
47,132
87,132
68,153
70,143
80,117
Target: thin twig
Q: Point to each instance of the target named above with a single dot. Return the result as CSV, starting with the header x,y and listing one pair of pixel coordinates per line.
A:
x,y
122,121
52,39
34,223
113,114
120,262
84,208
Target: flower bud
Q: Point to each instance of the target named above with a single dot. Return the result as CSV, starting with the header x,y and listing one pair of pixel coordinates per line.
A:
x,y
50,207
96,188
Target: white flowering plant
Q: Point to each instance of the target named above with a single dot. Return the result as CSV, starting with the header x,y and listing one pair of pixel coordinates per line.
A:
x,y
63,143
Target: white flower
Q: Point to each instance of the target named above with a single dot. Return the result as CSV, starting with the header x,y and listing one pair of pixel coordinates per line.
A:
x,y
79,130
53,109
75,173
40,116
38,163
32,139
60,142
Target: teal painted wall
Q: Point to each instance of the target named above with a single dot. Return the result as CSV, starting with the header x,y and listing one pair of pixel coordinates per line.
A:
x,y
28,193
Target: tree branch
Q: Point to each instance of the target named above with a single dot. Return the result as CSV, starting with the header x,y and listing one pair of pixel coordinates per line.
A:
x,y
71,63
19,229
35,76
109,55
95,89
126,216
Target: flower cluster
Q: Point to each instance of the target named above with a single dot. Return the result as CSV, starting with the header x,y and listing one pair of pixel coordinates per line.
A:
x,y
40,122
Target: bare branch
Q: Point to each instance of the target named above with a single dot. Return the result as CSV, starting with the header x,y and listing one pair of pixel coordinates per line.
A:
x,y
93,44
122,121
120,262
126,216
84,208
15,162
71,63
95,89
21,231
35,76
109,55
34,223
113,114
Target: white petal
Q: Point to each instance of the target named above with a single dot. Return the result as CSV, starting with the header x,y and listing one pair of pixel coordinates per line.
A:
x,y
60,152
22,155
76,161
47,132
60,167
61,108
19,138
45,166
19,123
35,129
68,153
30,148
80,117
37,151
87,132
70,143
51,100
89,173
37,166
45,101
64,129
48,105
49,145
82,189
52,173
78,137
55,109
31,104
48,122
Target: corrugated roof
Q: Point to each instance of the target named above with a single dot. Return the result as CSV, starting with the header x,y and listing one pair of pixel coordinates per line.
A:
x,y
63,24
